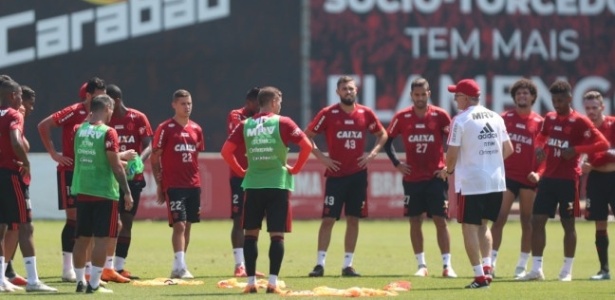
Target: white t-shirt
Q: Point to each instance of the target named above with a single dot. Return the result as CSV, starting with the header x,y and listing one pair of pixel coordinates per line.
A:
x,y
479,134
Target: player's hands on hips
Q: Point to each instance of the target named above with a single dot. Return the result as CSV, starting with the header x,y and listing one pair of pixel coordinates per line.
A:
x,y
442,174
24,170
533,177
540,154
569,153
62,160
128,202
404,168
586,167
365,158
291,169
332,165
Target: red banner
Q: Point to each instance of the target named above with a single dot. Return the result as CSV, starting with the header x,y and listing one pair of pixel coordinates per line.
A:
x,y
385,191
386,44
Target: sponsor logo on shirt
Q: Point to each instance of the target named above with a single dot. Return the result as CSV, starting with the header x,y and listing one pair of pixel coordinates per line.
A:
x,y
184,148
420,126
521,139
82,112
408,115
119,126
415,138
482,115
587,133
520,125
349,134
260,130
90,132
171,125
67,117
296,132
349,122
557,143
126,139
557,128
487,133
184,134
322,119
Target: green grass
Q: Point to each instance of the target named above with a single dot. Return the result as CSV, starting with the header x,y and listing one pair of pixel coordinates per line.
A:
x,y
383,255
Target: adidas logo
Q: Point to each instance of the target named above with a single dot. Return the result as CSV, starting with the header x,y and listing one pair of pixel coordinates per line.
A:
x,y
487,133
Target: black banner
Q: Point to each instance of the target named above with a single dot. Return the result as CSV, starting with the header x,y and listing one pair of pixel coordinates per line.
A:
x,y
216,49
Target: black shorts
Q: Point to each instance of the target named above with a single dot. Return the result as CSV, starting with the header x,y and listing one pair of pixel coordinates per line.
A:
x,y
14,199
135,190
472,209
428,196
269,202
97,218
553,192
515,186
237,197
65,198
183,205
600,195
349,192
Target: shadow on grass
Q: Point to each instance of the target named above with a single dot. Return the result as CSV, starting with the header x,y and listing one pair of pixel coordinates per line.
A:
x,y
393,276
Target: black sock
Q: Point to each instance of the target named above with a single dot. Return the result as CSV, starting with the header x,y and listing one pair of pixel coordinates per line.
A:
x,y
9,273
602,246
250,254
121,249
68,236
276,254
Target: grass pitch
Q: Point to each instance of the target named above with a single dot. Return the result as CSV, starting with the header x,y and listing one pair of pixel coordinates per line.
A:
x,y
383,255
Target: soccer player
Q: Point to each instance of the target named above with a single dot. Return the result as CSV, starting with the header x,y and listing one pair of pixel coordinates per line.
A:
x,y
99,175
522,170
175,164
268,179
11,237
567,134
600,189
12,175
477,146
134,133
68,118
11,161
235,117
423,128
345,126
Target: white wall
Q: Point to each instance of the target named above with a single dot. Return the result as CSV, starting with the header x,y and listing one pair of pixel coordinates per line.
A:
x,y
43,188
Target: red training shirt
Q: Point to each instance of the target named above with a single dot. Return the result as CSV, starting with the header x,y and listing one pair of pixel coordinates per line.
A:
x,y
607,128
522,131
234,118
131,130
67,118
345,134
10,119
423,139
180,150
562,132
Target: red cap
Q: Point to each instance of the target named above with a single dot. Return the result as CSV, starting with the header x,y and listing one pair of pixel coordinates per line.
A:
x,y
82,91
468,87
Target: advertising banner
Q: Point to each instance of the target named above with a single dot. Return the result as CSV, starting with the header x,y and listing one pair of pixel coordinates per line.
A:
x,y
386,44
385,191
215,49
